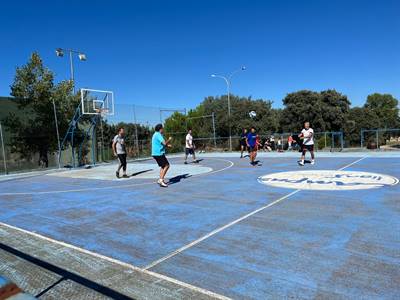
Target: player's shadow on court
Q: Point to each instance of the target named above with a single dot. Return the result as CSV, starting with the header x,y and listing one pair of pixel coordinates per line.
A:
x,y
178,178
140,172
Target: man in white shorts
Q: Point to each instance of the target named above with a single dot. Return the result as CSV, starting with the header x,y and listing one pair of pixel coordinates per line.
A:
x,y
189,147
307,134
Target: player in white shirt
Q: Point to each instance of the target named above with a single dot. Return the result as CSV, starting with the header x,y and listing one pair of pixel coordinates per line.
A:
x,y
189,147
307,134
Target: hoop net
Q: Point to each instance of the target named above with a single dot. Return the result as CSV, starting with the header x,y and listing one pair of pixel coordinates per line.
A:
x,y
102,111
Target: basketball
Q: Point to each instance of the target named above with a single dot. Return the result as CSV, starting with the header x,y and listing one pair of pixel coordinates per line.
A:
x,y
252,114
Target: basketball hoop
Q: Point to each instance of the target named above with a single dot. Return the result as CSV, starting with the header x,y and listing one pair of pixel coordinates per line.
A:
x,y
102,111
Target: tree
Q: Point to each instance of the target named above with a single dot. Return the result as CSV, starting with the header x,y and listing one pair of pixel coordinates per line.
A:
x,y
386,109
359,118
33,131
326,111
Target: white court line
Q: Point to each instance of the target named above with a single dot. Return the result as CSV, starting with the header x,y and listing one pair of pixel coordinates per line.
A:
x,y
214,232
77,190
353,163
231,164
121,263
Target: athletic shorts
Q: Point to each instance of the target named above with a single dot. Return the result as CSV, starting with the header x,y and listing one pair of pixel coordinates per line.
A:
x,y
308,148
243,143
253,148
189,151
161,160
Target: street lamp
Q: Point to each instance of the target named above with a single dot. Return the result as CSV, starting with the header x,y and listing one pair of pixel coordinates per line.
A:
x,y
227,80
81,56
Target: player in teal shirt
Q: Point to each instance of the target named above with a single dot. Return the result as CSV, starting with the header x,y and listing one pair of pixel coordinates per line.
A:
x,y
158,145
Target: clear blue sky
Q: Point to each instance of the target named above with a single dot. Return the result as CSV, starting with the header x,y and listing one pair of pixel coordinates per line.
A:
x,y
162,52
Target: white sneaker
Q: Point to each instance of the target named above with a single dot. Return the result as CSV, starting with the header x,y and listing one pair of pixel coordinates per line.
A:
x,y
162,183
313,162
301,163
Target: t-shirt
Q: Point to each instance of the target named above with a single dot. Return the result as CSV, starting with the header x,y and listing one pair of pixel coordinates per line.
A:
x,y
189,141
243,137
308,135
157,146
251,139
120,144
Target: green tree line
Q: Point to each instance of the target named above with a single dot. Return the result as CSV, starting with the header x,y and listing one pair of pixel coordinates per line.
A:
x,y
327,111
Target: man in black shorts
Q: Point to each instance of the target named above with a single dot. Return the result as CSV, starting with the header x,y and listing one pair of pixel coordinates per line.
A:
x,y
307,135
189,147
252,144
243,144
119,150
158,145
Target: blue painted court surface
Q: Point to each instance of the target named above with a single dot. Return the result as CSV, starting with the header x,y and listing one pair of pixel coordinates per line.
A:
x,y
218,228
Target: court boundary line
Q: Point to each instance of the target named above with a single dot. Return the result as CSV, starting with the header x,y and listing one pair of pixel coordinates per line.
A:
x,y
217,230
231,164
118,262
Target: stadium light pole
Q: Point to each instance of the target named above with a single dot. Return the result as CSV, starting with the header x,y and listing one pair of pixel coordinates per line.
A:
x,y
81,56
228,80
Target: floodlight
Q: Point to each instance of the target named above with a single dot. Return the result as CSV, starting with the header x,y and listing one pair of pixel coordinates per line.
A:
x,y
82,56
59,52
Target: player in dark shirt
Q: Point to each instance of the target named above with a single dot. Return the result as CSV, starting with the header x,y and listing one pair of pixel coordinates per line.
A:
x,y
243,145
251,142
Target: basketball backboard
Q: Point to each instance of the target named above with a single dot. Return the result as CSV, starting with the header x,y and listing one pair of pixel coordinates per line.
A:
x,y
97,102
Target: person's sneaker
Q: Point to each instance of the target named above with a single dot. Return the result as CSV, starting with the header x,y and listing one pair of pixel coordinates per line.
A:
x,y
313,162
301,163
117,174
125,176
185,162
195,161
162,183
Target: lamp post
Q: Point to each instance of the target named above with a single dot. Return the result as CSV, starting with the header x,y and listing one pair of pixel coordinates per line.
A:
x,y
81,56
228,80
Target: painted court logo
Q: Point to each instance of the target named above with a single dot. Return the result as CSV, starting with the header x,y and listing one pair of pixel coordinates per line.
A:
x,y
328,180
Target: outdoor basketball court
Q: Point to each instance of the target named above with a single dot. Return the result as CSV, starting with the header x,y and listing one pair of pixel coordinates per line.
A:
x,y
221,229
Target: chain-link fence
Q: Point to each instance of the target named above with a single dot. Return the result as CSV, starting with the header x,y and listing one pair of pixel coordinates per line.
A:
x,y
24,151
383,139
91,135
324,141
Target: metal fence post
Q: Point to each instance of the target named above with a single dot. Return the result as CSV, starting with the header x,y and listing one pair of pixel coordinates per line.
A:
x,y
4,151
325,139
58,135
136,129
341,140
213,123
362,138
377,139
